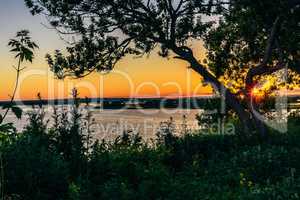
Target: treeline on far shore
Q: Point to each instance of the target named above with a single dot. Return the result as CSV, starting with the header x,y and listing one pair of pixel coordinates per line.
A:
x,y
129,103
207,102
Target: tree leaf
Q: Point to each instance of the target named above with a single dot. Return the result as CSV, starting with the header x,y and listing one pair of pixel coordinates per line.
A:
x,y
7,128
17,111
8,105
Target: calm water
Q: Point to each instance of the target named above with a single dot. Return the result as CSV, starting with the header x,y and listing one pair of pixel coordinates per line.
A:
x,y
109,124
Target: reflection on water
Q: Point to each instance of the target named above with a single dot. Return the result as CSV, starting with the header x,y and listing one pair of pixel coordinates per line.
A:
x,y
111,123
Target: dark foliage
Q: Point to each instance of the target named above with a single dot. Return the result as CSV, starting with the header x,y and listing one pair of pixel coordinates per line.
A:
x,y
39,164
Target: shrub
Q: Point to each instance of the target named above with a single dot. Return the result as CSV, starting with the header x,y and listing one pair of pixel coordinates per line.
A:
x,y
33,171
54,163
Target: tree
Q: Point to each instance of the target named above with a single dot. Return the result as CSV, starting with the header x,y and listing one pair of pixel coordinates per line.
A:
x,y
144,24
254,41
22,46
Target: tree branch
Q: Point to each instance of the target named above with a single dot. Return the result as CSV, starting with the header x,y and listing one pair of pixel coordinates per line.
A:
x,y
262,67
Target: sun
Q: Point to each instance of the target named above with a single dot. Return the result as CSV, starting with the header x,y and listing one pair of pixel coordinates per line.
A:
x,y
257,94
261,91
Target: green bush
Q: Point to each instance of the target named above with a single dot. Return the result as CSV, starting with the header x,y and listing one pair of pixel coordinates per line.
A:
x,y
33,171
53,163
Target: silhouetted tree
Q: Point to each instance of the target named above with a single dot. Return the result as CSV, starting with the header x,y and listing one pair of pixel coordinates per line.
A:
x,y
22,46
256,39
112,29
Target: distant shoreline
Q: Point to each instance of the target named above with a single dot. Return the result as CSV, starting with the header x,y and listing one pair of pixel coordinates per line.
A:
x,y
121,103
67,101
138,103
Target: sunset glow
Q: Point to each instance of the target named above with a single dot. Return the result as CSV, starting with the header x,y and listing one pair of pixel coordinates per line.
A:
x,y
147,76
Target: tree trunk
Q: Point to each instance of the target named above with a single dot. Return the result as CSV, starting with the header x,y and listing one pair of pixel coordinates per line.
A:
x,y
260,126
230,98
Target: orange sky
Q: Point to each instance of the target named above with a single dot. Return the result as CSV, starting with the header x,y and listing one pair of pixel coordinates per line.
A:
x,y
148,76
152,76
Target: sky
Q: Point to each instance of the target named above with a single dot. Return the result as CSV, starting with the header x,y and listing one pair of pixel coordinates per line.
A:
x,y
150,76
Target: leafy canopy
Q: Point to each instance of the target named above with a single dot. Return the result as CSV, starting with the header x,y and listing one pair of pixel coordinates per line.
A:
x,y
237,34
263,36
110,29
